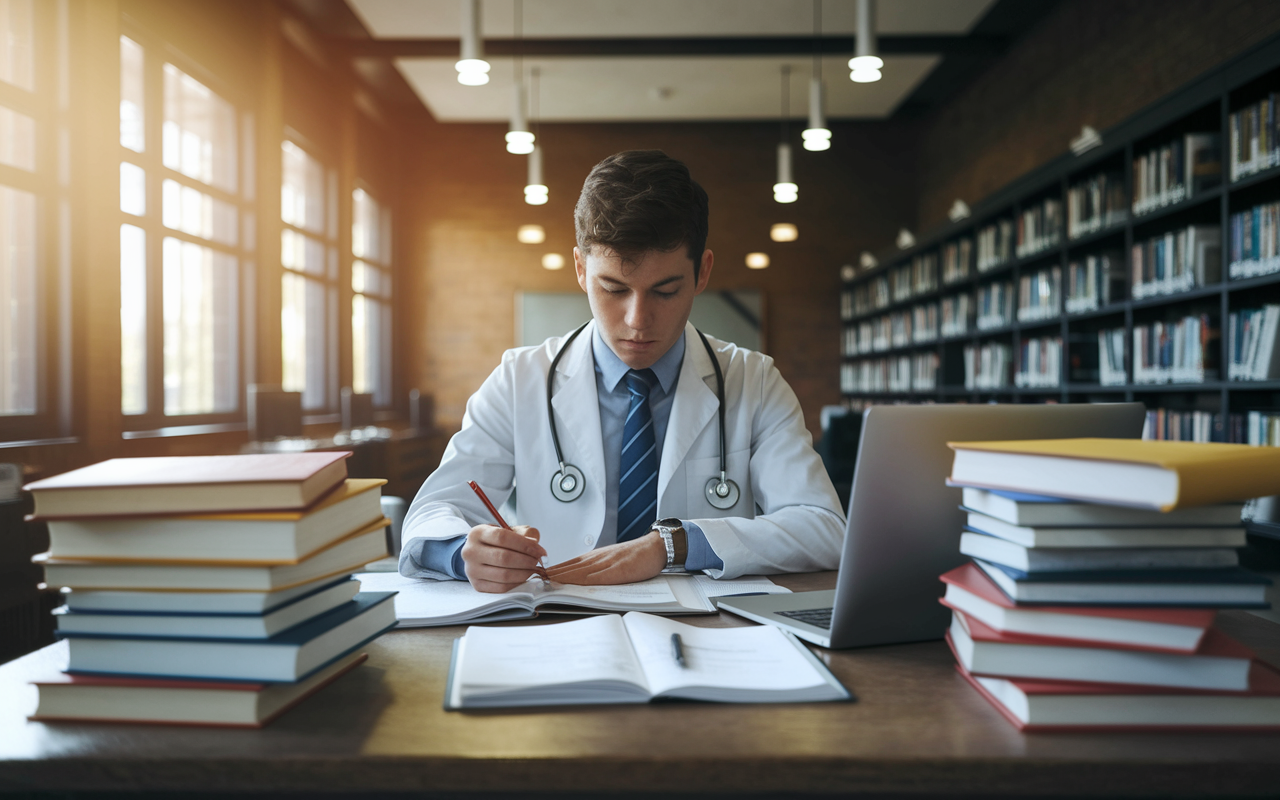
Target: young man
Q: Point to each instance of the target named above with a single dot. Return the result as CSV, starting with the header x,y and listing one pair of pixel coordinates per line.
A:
x,y
625,481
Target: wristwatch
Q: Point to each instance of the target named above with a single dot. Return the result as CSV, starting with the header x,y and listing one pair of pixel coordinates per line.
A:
x,y
676,540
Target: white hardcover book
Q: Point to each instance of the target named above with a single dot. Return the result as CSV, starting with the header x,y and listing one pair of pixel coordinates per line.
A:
x,y
1085,559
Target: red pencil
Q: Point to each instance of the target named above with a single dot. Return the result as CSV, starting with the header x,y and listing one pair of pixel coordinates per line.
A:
x,y
484,498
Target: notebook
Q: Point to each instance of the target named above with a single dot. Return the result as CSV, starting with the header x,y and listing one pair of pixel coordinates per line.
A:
x,y
631,659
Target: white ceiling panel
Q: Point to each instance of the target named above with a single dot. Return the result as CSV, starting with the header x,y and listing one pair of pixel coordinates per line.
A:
x,y
586,89
430,19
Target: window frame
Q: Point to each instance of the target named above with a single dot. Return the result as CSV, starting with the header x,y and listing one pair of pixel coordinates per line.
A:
x,y
157,52
385,265
336,269
50,110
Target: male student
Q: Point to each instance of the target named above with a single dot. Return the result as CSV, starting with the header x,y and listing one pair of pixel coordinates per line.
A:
x,y
634,486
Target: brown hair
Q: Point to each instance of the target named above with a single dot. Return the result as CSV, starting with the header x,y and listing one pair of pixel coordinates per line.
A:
x,y
641,200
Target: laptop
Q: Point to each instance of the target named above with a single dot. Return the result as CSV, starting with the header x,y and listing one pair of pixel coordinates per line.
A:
x,y
904,522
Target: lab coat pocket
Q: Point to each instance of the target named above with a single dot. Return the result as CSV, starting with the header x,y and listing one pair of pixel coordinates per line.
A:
x,y
700,470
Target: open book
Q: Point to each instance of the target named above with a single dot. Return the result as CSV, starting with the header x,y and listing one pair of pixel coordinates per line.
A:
x,y
630,659
422,603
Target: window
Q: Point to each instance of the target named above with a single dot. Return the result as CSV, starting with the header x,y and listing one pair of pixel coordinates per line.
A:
x,y
185,244
34,208
309,294
371,299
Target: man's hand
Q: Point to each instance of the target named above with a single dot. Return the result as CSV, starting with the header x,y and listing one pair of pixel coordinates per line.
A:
x,y
628,562
498,559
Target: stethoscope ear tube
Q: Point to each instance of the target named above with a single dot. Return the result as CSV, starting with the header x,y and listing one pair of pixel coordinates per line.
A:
x,y
569,483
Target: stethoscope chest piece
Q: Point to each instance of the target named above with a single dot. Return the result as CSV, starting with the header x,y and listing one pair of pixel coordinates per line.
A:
x,y
722,493
567,484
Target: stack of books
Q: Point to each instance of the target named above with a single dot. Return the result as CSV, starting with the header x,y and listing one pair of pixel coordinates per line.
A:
x,y
1097,569
209,590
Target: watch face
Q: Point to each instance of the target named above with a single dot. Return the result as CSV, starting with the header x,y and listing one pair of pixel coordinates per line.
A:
x,y
669,522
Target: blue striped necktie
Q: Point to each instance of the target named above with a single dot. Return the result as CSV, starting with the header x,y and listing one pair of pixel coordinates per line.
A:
x,y
638,484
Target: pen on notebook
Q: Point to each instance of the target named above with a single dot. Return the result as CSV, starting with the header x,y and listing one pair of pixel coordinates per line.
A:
x,y
484,498
677,649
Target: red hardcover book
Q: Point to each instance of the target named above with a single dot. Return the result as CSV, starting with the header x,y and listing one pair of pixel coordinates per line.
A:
x,y
1171,629
190,484
1219,662
1040,706
157,701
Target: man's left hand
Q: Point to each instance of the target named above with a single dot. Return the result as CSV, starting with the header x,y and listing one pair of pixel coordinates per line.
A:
x,y
628,562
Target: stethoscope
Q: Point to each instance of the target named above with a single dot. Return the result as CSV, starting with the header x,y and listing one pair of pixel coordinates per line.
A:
x,y
568,484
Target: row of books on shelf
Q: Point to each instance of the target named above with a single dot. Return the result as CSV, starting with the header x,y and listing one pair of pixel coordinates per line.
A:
x,y
1039,294
1255,242
916,373
1171,173
1176,261
1174,352
1251,344
1254,145
213,590
1095,204
1256,428
1039,363
987,366
1090,603
1039,227
1173,262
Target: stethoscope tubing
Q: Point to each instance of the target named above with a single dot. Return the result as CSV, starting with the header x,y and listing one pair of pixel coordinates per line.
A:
x,y
569,495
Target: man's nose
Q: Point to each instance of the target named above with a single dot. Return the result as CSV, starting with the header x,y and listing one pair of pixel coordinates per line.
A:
x,y
638,312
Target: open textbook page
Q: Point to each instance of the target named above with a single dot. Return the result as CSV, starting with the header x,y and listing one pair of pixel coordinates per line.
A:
x,y
421,603
629,659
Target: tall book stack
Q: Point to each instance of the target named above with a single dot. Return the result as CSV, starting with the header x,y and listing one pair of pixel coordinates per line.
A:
x,y
209,590
1098,566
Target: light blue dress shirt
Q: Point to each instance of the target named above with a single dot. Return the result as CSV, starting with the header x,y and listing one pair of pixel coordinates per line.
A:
x,y
445,555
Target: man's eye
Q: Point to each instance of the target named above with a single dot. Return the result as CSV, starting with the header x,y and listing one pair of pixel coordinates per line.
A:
x,y
614,291
667,294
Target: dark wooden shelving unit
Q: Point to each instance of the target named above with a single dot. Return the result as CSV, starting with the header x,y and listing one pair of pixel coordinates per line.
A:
x,y
1215,95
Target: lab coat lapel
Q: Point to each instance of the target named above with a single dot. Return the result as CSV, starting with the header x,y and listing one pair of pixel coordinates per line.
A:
x,y
577,409
692,409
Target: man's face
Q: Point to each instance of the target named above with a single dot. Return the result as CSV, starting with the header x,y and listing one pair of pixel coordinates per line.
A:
x,y
640,306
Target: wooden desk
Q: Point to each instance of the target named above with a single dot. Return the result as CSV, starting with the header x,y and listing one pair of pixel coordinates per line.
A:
x,y
917,728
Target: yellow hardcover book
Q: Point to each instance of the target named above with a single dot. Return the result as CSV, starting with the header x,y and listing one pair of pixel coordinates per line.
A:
x,y
1130,472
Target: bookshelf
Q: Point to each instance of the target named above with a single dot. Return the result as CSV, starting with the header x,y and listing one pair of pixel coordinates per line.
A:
x,y
1139,270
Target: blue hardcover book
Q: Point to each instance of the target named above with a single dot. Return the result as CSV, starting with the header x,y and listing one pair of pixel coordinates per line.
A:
x,y
203,625
1035,510
285,657
1231,587
1087,560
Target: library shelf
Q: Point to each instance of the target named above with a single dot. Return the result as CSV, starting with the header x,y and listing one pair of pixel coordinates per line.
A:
x,y
1227,90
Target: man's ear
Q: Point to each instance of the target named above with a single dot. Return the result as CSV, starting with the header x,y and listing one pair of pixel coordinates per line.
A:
x,y
704,271
580,267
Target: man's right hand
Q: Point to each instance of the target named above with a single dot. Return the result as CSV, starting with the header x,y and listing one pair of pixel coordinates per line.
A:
x,y
499,559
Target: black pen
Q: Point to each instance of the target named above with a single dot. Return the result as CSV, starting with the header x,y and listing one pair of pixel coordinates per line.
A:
x,y
677,649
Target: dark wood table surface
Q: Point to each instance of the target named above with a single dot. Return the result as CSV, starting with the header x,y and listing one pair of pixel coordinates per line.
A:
x,y
917,728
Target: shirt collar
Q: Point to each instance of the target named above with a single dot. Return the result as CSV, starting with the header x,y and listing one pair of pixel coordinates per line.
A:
x,y
613,369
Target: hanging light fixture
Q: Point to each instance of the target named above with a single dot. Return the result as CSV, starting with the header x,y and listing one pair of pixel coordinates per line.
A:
x,y
817,136
519,137
472,69
865,64
785,189
535,191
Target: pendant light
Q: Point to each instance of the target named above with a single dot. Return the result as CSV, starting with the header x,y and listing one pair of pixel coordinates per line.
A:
x,y
865,64
785,189
519,138
472,69
535,191
817,136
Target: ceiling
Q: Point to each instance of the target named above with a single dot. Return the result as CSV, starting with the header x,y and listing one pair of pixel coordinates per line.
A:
x,y
676,60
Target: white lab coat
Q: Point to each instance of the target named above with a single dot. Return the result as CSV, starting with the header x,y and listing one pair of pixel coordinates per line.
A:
x,y
788,518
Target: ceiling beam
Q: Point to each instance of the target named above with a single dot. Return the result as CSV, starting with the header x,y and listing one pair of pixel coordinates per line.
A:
x,y
678,46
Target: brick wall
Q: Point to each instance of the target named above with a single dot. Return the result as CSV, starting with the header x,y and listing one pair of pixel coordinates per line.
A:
x,y
464,201
1089,62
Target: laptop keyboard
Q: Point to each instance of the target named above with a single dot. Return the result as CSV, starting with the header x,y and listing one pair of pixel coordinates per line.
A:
x,y
817,617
